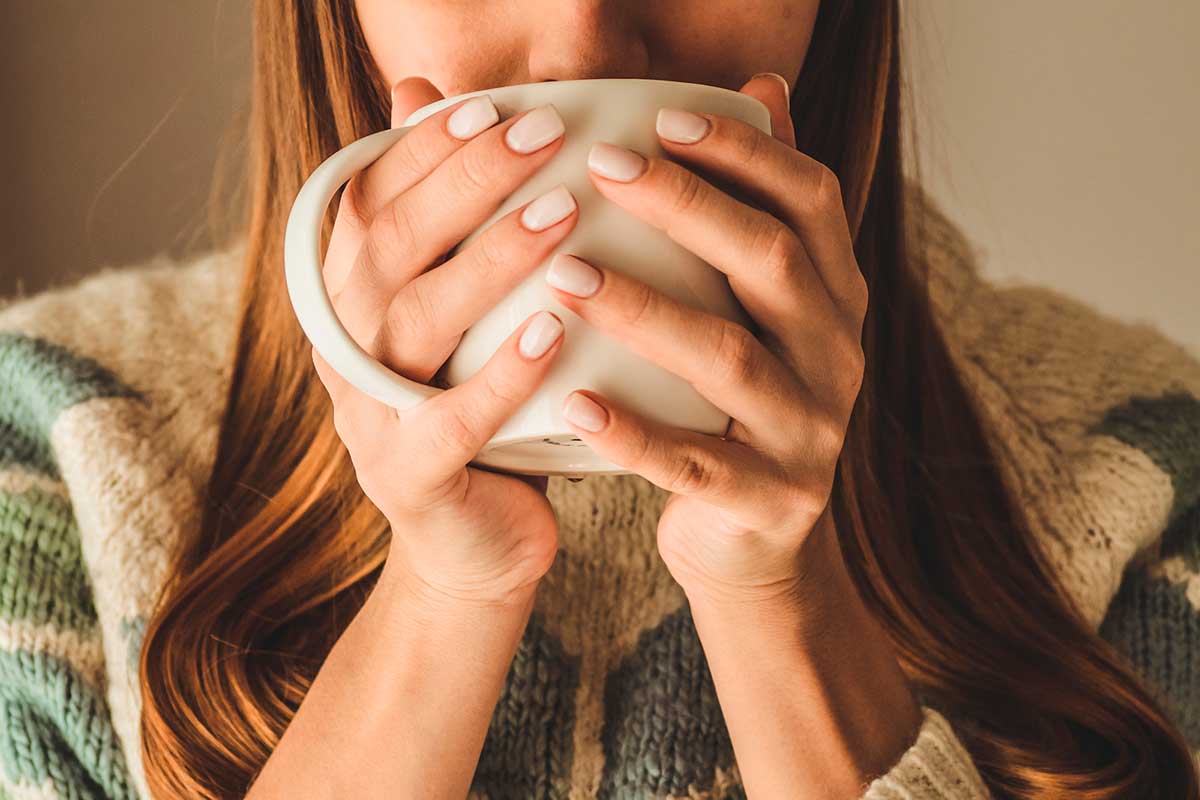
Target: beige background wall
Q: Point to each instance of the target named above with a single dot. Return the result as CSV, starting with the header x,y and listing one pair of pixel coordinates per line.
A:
x,y
1060,134
1063,136
112,114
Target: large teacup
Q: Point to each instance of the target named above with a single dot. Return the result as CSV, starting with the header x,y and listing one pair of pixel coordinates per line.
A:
x,y
535,440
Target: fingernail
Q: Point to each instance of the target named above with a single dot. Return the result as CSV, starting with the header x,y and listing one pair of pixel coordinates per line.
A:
x,y
554,206
581,410
787,90
535,130
472,117
573,275
681,126
542,331
615,162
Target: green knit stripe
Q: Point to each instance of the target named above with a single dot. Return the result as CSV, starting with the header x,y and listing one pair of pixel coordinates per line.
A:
x,y
664,732
38,380
42,576
1167,429
56,726
528,749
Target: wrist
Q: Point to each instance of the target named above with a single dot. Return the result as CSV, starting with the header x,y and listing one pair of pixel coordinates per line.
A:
x,y
423,599
819,595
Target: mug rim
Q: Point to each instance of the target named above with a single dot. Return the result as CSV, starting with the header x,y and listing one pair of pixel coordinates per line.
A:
x,y
437,105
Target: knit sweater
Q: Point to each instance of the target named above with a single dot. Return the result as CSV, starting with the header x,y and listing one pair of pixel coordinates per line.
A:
x,y
111,393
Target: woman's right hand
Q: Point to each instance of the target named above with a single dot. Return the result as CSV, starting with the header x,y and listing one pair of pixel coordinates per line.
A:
x,y
458,532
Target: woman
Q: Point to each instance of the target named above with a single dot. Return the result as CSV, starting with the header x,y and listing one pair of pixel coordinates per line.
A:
x,y
860,590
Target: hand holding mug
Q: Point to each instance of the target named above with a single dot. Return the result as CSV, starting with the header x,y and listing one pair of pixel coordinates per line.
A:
x,y
459,533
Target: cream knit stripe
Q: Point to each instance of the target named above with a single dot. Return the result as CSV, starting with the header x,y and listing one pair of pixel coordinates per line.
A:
x,y
22,790
1176,571
606,586
1105,534
132,503
81,650
16,479
134,468
935,767
135,320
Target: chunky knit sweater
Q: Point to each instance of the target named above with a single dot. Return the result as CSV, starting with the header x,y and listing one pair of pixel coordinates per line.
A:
x,y
111,392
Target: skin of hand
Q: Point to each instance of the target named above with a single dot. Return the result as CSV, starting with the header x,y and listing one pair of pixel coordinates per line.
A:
x,y
742,505
457,532
809,686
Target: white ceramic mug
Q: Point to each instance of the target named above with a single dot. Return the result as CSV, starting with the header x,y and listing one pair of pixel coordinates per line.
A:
x,y
535,440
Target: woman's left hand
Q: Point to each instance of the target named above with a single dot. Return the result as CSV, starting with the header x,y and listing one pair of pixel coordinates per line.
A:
x,y
744,504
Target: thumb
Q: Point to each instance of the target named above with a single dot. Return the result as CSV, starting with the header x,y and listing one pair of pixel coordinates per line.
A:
x,y
772,89
409,94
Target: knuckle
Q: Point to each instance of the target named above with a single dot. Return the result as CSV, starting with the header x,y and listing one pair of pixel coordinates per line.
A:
x,y
474,175
392,235
827,189
691,473
807,498
641,447
689,195
452,430
641,305
353,204
748,142
780,247
860,293
491,252
735,354
411,316
849,367
828,436
502,387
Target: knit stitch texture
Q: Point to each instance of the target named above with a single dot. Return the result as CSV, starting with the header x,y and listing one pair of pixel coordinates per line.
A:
x,y
111,392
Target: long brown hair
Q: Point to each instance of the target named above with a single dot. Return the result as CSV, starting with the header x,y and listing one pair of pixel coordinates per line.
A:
x,y
941,554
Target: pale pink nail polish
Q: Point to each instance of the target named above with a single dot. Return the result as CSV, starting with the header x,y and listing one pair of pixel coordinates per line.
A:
x,y
581,410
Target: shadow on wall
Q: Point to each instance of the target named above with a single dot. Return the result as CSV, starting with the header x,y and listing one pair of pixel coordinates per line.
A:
x,y
115,115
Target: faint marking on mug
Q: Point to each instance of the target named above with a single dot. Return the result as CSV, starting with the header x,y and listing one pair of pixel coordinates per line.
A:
x,y
574,441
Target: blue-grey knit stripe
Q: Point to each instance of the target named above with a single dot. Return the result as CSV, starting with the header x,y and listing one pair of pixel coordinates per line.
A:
x,y
1152,622
53,724
664,732
529,746
38,381
1167,429
42,575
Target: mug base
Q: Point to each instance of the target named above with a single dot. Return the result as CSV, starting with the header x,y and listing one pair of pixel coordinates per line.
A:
x,y
560,453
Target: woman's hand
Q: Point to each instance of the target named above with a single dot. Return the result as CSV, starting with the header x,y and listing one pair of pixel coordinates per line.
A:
x,y
459,532
743,505
810,690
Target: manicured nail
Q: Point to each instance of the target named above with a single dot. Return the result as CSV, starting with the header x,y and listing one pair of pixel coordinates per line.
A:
x,y
535,130
615,162
581,410
787,90
540,333
472,117
554,206
573,275
681,126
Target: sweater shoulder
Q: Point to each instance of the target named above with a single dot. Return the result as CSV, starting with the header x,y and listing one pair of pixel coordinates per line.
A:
x,y
111,389
121,316
1094,420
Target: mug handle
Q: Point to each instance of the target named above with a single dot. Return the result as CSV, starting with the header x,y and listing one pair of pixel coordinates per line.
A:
x,y
306,284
